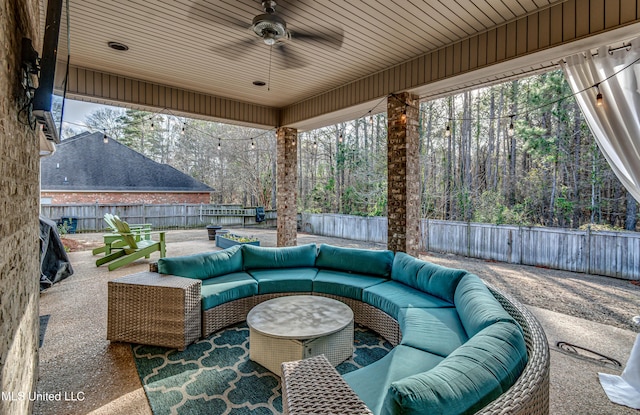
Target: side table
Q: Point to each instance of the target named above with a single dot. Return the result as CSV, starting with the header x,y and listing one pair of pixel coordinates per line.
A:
x,y
154,309
297,327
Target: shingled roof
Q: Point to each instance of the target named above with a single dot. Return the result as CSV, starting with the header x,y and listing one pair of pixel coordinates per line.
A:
x,y
85,162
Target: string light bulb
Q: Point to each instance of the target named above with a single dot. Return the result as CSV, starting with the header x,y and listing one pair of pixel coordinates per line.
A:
x,y
219,146
183,126
105,139
371,119
252,144
599,99
340,138
315,144
447,131
511,125
403,116
152,126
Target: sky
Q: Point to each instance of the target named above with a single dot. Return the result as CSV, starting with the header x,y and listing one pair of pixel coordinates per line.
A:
x,y
75,112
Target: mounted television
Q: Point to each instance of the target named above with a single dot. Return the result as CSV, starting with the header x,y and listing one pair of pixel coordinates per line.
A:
x,y
43,96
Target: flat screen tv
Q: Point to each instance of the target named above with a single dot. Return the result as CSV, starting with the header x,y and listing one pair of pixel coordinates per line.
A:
x,y
42,99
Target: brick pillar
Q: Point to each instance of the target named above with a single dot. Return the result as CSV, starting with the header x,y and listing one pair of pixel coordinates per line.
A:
x,y
403,170
287,186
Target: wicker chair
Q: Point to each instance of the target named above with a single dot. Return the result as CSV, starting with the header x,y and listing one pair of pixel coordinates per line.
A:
x,y
314,386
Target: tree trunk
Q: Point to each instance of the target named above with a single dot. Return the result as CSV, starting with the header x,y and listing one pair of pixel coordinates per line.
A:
x,y
513,146
577,155
490,146
632,213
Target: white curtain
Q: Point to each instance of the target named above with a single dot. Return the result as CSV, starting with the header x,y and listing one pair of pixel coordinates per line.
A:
x,y
616,123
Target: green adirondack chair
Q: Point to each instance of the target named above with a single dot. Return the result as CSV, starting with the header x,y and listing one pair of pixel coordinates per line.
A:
x,y
130,249
113,240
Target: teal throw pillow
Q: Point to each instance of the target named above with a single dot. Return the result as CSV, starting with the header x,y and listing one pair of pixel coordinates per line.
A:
x,y
204,265
361,261
258,257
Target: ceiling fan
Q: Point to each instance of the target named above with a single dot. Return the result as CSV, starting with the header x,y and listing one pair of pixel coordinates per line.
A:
x,y
271,29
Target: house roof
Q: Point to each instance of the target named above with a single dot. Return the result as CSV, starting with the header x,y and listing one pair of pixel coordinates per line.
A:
x,y
85,163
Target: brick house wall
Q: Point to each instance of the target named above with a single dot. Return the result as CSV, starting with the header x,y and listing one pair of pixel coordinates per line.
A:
x,y
149,198
19,228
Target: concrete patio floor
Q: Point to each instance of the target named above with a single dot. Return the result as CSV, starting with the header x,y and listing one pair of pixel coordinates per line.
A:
x,y
76,357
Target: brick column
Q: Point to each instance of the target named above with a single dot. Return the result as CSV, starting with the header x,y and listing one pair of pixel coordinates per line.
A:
x,y
403,170
287,186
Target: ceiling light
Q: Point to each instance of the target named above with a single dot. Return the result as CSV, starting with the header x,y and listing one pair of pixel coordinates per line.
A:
x,y
259,83
270,27
118,46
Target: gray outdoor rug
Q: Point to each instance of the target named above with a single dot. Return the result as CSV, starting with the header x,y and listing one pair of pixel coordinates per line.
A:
x,y
215,375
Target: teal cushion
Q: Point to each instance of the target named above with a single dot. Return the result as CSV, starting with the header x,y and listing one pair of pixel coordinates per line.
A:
x,y
219,290
371,383
405,269
392,296
438,280
435,330
476,306
343,284
204,265
362,261
472,376
284,280
257,257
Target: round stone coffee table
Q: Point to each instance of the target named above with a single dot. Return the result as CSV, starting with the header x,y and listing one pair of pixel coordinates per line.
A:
x,y
299,326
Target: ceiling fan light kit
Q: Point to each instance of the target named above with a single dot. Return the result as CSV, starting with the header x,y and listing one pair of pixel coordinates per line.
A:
x,y
270,27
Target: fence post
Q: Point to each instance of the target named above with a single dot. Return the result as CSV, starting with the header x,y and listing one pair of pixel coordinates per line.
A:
x,y
98,227
184,207
144,213
428,239
521,238
588,249
468,239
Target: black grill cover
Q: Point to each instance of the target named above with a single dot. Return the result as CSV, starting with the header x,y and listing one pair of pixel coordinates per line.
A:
x,y
54,262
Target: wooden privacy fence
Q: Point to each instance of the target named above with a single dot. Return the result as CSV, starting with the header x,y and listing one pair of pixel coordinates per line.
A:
x,y
615,254
89,217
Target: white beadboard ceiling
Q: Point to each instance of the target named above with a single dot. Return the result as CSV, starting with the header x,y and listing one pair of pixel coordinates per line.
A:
x,y
199,45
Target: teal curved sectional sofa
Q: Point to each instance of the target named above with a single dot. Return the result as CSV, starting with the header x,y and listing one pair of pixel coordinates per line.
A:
x,y
457,349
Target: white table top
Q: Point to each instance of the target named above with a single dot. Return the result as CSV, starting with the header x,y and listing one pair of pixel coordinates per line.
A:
x,y
299,317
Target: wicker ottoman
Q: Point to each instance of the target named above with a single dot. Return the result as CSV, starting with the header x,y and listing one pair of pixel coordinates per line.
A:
x,y
313,386
154,309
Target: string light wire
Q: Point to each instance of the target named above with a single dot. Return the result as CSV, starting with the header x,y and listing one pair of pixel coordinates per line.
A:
x,y
369,113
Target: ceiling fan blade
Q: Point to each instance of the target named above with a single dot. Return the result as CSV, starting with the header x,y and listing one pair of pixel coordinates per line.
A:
x,y
332,40
233,50
290,59
203,11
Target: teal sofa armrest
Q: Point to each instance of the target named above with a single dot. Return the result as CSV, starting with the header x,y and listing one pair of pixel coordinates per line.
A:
x,y
361,261
472,376
257,257
204,265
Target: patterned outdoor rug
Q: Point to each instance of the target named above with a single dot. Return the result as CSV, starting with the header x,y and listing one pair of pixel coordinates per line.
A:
x,y
215,375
